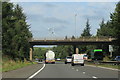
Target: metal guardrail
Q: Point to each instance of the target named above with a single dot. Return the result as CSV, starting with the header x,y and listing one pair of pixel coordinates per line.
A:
x,y
105,62
111,62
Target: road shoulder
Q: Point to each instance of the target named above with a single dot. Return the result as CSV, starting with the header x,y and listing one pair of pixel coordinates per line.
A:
x,y
103,67
24,72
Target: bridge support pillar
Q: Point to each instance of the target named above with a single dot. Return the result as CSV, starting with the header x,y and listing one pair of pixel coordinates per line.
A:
x,y
106,49
31,53
74,46
76,50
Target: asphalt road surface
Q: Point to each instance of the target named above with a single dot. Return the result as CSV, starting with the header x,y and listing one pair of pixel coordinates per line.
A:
x,y
61,70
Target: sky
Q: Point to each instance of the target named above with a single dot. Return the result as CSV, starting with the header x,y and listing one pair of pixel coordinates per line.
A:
x,y
53,20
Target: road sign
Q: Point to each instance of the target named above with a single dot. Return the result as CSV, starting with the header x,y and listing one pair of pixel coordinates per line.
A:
x,y
110,48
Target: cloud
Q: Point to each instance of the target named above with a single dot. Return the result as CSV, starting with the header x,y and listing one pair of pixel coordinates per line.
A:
x,y
42,16
50,5
54,20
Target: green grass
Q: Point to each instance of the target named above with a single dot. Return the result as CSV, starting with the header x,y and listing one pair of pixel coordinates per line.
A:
x,y
105,65
9,64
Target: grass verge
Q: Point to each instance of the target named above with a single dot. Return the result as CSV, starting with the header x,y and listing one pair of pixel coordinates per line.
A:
x,y
8,64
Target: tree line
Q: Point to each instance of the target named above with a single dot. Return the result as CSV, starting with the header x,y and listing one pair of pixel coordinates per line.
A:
x,y
15,32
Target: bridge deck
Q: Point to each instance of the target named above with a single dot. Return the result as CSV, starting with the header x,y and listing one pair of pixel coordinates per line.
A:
x,y
85,41
79,39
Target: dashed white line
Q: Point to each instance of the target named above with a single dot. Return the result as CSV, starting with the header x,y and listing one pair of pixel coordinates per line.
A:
x,y
76,69
83,72
72,68
94,77
36,72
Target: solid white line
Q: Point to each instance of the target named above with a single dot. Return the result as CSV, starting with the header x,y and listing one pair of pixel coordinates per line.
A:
x,y
94,77
36,72
103,67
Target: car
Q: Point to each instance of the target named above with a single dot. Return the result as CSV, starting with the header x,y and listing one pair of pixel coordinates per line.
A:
x,y
58,59
77,59
117,58
68,59
85,57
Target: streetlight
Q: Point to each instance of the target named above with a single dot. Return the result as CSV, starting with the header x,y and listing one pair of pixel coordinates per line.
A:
x,y
75,24
51,31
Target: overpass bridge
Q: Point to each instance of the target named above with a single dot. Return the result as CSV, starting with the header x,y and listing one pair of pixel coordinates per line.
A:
x,y
69,41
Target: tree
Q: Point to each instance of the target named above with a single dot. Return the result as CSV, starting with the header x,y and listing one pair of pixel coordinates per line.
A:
x,y
73,37
106,29
15,31
0,27
86,31
115,21
112,28
66,37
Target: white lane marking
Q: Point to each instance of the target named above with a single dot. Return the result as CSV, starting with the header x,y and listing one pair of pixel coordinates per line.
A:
x,y
36,72
72,68
103,67
76,69
83,72
94,77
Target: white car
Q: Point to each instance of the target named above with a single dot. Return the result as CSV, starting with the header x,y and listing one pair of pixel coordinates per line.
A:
x,y
68,59
58,59
77,59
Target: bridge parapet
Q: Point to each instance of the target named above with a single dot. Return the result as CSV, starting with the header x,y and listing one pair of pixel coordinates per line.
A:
x,y
76,39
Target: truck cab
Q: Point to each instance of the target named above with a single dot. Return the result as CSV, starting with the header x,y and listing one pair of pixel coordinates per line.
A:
x,y
50,57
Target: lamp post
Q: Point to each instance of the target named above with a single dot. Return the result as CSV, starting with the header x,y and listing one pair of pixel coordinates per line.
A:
x,y
51,32
75,24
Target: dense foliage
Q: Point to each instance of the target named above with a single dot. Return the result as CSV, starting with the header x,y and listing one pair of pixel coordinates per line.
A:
x,y
112,28
63,51
15,31
39,52
0,33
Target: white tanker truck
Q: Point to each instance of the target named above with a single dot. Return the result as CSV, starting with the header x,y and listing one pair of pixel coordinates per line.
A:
x,y
50,57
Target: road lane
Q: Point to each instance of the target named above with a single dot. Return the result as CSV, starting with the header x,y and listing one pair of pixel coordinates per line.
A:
x,y
60,70
97,72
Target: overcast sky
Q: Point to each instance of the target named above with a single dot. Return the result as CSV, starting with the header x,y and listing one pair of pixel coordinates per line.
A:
x,y
61,17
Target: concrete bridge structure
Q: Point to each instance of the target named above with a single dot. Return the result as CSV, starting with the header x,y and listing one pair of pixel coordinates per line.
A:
x,y
79,41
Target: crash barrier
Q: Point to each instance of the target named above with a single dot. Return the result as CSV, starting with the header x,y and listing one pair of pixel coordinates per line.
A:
x,y
111,62
105,62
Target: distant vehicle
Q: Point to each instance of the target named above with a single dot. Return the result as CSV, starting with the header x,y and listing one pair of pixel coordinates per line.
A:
x,y
117,58
85,57
68,59
58,59
50,57
97,54
77,59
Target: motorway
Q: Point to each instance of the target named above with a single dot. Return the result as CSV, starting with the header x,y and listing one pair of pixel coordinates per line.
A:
x,y
61,70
